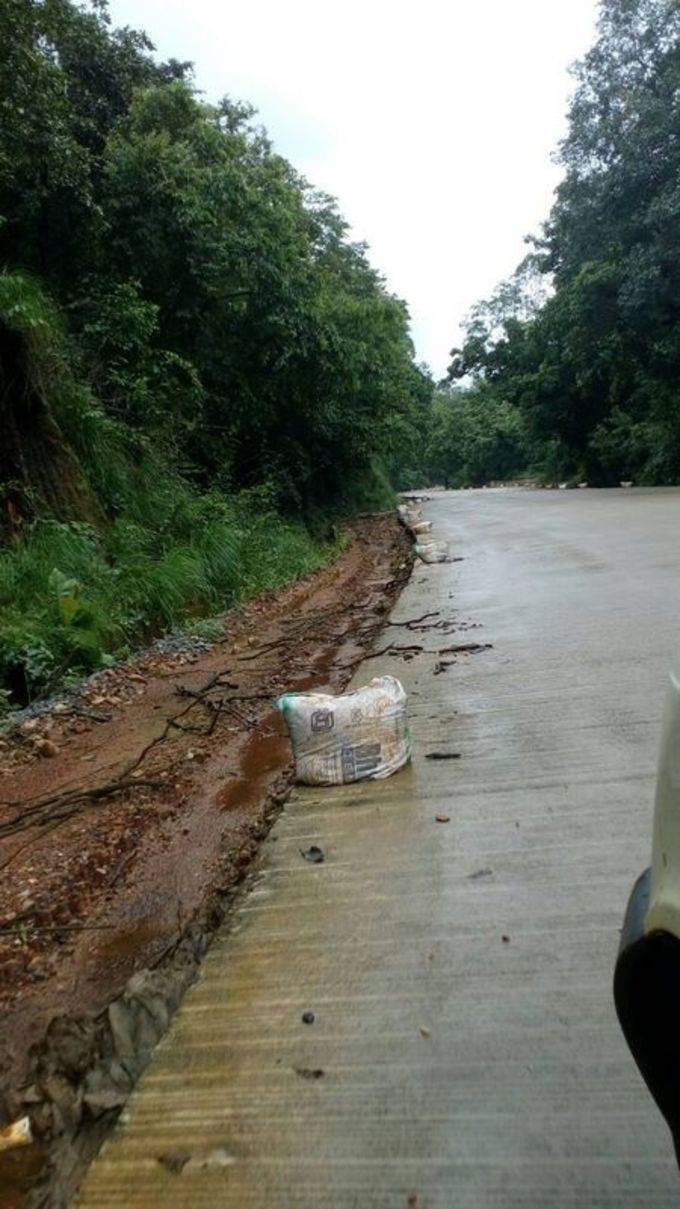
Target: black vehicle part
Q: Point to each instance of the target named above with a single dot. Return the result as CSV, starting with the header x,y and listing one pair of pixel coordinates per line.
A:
x,y
647,998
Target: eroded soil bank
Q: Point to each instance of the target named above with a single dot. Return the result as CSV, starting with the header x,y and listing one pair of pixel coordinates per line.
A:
x,y
128,816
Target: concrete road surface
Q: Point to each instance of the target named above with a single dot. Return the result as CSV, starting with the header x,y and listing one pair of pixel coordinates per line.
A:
x,y
460,972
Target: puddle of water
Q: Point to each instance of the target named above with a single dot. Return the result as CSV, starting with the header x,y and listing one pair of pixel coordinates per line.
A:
x,y
268,749
266,752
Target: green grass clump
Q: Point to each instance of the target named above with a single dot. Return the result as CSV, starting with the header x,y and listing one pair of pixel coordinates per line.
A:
x,y
73,599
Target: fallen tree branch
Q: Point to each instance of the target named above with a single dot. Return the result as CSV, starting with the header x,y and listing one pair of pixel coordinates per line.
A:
x,y
414,620
34,815
392,648
16,926
470,648
302,628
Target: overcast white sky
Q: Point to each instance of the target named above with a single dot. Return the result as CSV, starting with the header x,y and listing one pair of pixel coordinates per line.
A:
x,y
433,123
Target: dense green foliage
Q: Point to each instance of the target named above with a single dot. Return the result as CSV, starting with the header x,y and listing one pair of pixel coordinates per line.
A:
x,y
584,343
197,366
474,437
73,597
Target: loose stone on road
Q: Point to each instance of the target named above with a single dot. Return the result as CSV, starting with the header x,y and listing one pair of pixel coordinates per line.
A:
x,y
463,1049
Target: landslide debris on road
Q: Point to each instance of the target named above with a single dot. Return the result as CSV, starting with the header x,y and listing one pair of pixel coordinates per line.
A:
x,y
128,814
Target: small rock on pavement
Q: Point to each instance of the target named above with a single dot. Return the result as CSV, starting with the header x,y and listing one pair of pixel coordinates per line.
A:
x,y
479,873
443,818
175,1160
308,1017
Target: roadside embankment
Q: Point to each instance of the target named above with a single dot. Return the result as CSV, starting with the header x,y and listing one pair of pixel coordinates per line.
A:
x,y
129,814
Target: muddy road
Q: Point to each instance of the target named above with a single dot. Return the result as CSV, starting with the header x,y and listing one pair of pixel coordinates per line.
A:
x,y
456,947
130,812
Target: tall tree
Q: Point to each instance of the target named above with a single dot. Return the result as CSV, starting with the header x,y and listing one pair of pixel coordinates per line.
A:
x,y
597,368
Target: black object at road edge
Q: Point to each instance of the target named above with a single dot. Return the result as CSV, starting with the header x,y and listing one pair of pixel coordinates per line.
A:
x,y
647,998
314,855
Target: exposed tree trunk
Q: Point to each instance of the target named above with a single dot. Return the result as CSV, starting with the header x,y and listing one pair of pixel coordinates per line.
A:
x,y
39,473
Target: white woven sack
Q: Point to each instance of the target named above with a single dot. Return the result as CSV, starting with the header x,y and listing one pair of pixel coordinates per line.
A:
x,y
432,552
356,736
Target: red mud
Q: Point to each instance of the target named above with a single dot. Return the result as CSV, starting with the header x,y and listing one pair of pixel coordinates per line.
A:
x,y
86,901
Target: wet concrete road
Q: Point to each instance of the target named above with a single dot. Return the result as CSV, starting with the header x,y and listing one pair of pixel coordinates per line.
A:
x,y
459,972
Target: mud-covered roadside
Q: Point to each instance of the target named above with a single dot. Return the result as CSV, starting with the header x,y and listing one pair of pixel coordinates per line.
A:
x,y
128,816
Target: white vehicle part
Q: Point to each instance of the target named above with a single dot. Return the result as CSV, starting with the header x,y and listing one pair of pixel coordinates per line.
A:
x,y
356,736
664,902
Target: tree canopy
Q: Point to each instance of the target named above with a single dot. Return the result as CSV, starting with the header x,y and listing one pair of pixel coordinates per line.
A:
x,y
189,340
213,298
584,342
